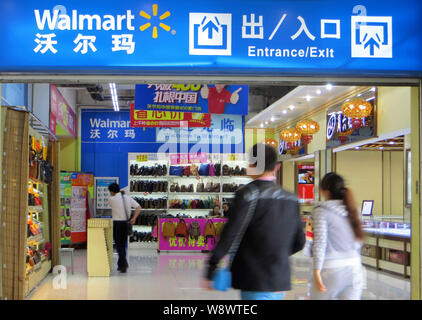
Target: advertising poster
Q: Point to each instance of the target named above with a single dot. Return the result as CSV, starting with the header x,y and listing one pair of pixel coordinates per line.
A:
x,y
306,187
101,191
167,119
65,217
82,187
191,98
189,244
61,112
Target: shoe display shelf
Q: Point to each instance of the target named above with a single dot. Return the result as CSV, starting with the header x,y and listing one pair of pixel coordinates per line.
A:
x,y
100,247
227,177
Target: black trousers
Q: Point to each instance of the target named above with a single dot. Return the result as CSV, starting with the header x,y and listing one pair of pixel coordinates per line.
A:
x,y
120,239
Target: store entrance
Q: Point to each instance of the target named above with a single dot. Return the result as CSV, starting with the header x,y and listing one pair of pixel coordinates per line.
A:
x,y
192,180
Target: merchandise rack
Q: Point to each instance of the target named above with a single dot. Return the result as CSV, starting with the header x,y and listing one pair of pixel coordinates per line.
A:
x,y
16,283
152,159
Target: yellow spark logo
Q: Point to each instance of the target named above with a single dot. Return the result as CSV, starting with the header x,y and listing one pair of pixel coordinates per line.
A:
x,y
164,16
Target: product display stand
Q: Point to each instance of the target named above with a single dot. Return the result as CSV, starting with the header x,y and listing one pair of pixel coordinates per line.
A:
x,y
219,191
28,217
100,247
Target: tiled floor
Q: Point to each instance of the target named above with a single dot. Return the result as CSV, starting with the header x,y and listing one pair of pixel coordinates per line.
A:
x,y
176,276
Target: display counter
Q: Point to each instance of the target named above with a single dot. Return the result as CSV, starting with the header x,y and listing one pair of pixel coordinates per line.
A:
x,y
171,238
387,246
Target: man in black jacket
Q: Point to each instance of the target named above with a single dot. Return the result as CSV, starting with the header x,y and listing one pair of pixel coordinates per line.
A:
x,y
260,268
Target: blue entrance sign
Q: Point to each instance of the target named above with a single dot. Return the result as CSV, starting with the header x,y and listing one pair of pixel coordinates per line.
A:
x,y
376,37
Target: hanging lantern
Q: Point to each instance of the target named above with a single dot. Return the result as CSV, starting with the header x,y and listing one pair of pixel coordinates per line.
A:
x,y
271,142
342,136
294,150
290,135
307,128
357,109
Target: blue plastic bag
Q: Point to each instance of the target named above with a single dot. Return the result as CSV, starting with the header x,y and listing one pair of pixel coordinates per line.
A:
x,y
222,280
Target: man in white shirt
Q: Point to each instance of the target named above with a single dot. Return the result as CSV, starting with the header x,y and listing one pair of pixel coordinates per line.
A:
x,y
121,205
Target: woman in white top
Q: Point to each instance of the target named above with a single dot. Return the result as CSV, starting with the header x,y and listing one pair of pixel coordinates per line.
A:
x,y
338,236
121,205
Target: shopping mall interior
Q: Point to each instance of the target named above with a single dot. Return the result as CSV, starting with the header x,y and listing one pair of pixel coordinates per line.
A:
x,y
157,143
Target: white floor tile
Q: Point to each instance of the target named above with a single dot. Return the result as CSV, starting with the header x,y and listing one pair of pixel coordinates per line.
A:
x,y
177,276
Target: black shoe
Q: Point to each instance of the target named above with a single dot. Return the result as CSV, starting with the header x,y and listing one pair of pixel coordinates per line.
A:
x,y
123,270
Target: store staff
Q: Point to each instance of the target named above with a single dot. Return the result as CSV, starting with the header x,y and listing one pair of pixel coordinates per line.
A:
x,y
121,215
226,210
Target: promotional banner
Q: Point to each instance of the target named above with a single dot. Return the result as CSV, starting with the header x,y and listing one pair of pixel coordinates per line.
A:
x,y
183,244
101,191
61,112
306,180
176,159
215,99
82,187
266,37
65,217
167,119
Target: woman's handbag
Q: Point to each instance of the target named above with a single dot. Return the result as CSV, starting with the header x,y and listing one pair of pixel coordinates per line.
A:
x,y
222,279
129,226
176,171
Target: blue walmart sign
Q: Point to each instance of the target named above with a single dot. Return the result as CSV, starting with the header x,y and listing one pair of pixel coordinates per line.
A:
x,y
219,37
107,138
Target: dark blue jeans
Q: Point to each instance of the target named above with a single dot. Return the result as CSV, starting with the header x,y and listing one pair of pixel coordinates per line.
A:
x,y
120,239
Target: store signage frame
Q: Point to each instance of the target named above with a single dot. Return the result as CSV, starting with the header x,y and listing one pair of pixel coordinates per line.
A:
x,y
316,43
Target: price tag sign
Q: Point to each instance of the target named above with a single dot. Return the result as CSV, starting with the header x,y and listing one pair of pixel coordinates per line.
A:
x,y
142,158
233,157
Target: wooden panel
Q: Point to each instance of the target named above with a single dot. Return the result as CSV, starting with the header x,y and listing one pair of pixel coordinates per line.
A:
x,y
371,241
369,261
14,203
390,244
390,266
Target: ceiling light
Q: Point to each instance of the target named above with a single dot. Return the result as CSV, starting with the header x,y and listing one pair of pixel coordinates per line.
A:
x,y
308,98
392,142
114,97
262,125
357,148
370,99
329,86
284,111
266,122
318,91
272,119
374,89
381,148
292,107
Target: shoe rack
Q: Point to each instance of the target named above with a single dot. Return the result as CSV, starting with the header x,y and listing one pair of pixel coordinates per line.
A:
x,y
193,187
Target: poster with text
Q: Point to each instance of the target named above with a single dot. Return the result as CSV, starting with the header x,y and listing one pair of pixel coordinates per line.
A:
x,y
306,180
192,98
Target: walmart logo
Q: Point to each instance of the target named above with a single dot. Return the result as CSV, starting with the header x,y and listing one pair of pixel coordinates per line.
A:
x,y
153,22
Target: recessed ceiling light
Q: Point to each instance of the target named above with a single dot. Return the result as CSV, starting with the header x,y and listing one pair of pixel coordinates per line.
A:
x,y
262,125
357,148
292,107
272,119
308,98
266,122
381,148
318,91
329,86
374,89
392,142
284,111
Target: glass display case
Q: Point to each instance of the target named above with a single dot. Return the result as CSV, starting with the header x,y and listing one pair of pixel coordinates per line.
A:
x,y
387,245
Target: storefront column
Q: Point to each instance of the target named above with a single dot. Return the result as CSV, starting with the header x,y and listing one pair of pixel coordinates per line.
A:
x,y
416,185
324,163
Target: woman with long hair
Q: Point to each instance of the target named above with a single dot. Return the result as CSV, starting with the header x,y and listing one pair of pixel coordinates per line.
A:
x,y
338,237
